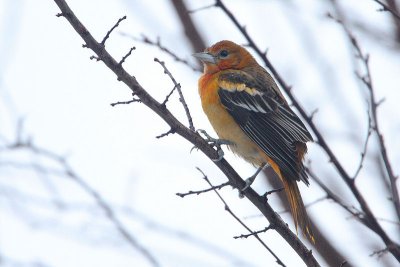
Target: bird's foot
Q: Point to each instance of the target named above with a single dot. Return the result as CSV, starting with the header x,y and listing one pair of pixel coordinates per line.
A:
x,y
215,142
249,181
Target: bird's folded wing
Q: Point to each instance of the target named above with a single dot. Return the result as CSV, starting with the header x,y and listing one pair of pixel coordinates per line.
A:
x,y
266,119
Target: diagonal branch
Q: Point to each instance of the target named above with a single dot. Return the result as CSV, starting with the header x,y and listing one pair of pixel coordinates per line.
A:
x,y
198,192
252,233
146,40
178,88
373,108
68,172
372,222
275,220
103,42
386,7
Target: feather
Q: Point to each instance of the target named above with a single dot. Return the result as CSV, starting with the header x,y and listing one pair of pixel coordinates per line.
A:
x,y
266,119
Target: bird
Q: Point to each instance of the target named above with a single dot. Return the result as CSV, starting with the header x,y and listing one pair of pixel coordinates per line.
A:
x,y
251,116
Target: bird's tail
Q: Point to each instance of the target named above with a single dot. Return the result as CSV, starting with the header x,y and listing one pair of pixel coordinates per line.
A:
x,y
297,208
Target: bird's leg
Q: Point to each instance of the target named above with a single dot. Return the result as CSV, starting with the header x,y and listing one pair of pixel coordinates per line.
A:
x,y
249,181
216,143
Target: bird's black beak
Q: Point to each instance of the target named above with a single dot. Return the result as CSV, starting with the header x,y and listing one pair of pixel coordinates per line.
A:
x,y
205,57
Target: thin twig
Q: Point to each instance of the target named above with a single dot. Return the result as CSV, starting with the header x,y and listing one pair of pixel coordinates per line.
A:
x,y
125,102
253,233
171,131
201,8
331,195
127,55
103,42
168,96
68,172
374,104
178,88
198,192
15,194
228,209
379,253
316,201
365,147
146,40
387,8
192,34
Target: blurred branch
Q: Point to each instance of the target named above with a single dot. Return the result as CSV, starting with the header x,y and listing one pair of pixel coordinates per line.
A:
x,y
391,7
275,221
394,7
252,233
373,106
68,172
331,195
27,199
191,31
365,147
369,218
328,250
146,40
8,261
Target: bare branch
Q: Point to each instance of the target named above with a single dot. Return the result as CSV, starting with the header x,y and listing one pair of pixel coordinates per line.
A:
x,y
191,32
198,192
14,194
125,102
188,134
164,103
68,172
171,131
228,209
127,55
103,42
331,195
201,8
367,80
365,147
253,233
372,222
388,8
146,40
379,253
178,88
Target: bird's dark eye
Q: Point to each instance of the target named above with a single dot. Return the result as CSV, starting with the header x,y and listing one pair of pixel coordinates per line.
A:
x,y
223,54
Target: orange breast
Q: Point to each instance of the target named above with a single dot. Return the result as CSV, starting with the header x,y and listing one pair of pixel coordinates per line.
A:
x,y
224,124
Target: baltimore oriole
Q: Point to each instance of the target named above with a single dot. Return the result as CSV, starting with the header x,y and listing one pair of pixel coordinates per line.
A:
x,y
246,108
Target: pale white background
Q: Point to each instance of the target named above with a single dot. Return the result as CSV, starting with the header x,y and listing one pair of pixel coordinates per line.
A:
x,y
48,81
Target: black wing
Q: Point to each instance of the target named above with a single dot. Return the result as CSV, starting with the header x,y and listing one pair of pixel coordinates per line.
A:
x,y
266,118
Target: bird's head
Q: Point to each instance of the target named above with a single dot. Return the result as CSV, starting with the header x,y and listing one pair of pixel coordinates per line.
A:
x,y
225,55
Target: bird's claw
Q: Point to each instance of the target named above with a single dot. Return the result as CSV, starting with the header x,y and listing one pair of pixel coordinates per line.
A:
x,y
215,142
249,181
220,155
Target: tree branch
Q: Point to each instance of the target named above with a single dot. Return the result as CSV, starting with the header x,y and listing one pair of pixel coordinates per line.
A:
x,y
252,233
372,222
388,8
186,133
178,88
